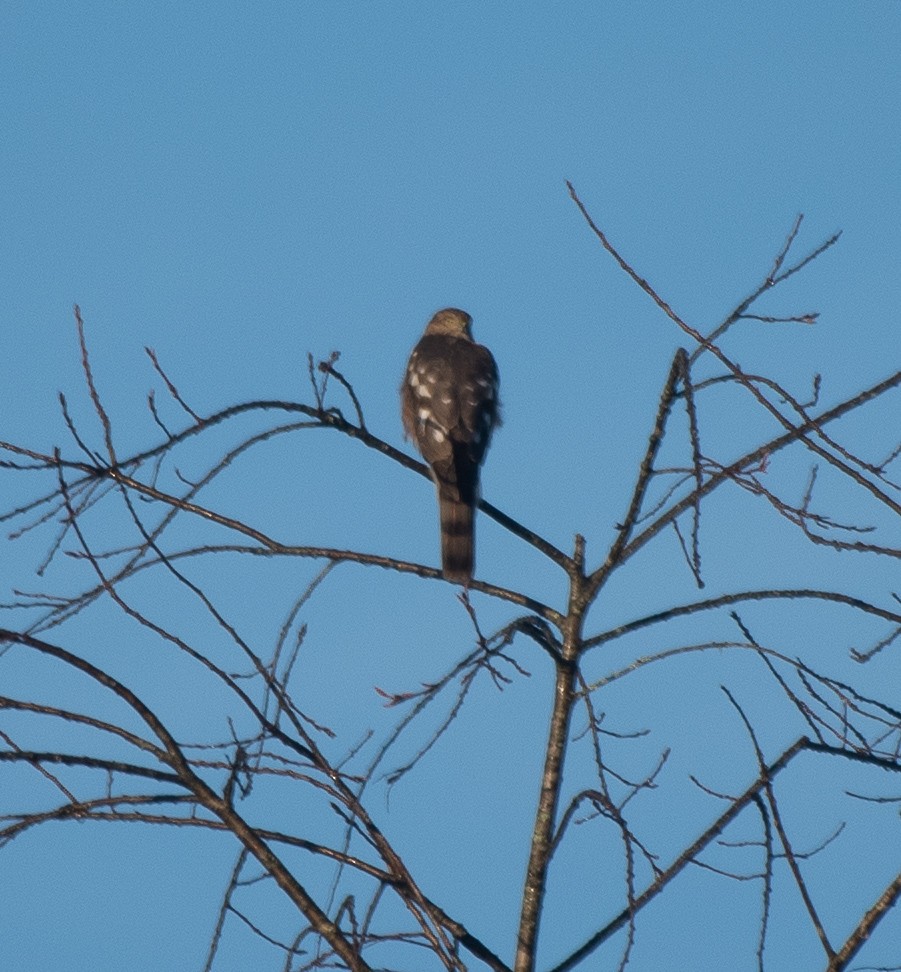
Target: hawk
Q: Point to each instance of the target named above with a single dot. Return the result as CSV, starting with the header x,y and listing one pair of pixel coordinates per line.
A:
x,y
450,408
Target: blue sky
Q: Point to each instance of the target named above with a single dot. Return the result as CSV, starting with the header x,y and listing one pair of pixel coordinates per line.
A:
x,y
237,184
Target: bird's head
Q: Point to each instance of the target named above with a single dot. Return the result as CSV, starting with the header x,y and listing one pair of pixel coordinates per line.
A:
x,y
450,321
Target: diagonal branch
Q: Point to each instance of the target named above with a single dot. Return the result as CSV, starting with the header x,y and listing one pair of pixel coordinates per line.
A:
x,y
727,473
801,430
727,599
645,471
176,759
866,926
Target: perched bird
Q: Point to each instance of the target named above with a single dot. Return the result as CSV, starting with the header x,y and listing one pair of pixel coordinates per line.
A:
x,y
449,401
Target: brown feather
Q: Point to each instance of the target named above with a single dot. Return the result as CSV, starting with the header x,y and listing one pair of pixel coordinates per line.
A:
x,y
457,537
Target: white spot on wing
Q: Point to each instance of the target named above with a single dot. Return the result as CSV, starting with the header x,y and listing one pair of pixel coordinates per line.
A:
x,y
438,435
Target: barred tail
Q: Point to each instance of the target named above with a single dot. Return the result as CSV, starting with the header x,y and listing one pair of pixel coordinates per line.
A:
x,y
457,537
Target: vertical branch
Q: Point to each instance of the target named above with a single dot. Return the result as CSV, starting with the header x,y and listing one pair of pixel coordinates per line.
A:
x,y
92,388
224,909
767,781
695,438
542,834
796,871
767,880
542,849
